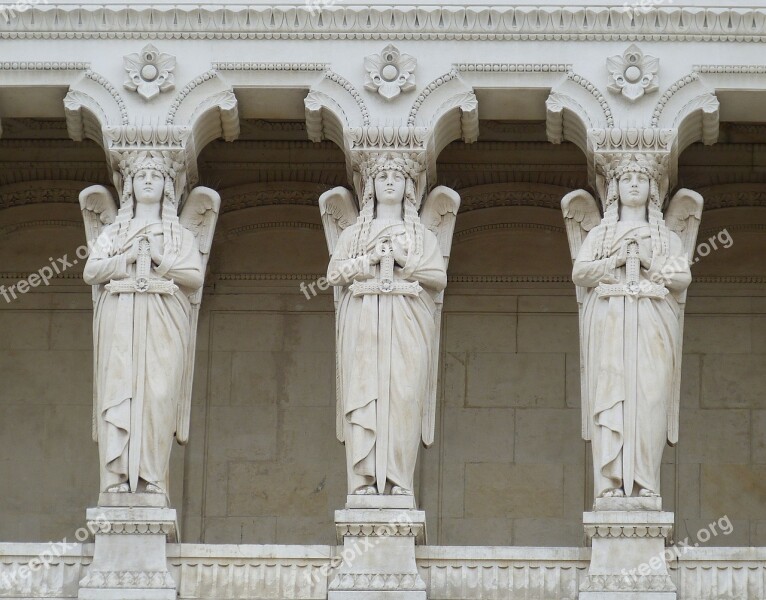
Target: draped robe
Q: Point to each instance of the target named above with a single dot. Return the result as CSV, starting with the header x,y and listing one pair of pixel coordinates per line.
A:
x,y
140,345
629,373
385,346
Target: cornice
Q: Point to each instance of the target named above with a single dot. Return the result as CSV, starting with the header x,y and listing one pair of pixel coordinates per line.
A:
x,y
527,23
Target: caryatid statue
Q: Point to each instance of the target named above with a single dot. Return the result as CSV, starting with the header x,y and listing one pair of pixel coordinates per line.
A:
x,y
147,267
389,269
632,272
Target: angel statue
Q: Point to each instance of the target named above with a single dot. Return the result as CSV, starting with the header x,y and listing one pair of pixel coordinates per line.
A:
x,y
146,266
632,272
389,266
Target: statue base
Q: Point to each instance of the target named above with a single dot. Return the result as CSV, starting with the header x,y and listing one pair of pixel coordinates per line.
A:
x,y
379,534
130,558
628,560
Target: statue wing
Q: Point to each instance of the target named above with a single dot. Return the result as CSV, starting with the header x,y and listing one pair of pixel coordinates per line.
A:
x,y
98,210
338,211
682,216
199,215
581,214
438,214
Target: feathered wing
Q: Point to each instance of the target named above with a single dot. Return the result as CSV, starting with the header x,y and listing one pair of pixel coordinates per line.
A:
x,y
581,214
438,214
682,216
199,215
98,210
338,211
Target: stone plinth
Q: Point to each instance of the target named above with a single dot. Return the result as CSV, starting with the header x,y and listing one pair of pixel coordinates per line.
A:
x,y
129,559
628,556
379,534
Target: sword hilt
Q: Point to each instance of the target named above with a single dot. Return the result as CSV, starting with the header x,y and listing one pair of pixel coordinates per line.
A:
x,y
633,267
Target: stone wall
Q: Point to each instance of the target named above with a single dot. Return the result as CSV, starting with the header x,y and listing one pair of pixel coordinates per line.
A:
x,y
263,466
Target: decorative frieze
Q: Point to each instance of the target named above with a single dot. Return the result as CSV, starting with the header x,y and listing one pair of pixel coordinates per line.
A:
x,y
528,23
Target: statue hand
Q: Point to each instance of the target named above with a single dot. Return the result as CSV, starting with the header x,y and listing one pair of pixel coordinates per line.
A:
x,y
400,251
131,256
379,251
156,249
645,253
622,255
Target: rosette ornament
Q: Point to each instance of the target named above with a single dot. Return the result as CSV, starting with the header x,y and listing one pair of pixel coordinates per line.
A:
x,y
390,73
149,72
633,74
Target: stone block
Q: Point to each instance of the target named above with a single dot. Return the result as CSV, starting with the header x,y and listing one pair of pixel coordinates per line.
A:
x,y
307,435
548,532
27,329
241,530
496,531
70,330
477,332
453,380
717,334
691,381
515,380
548,436
243,432
733,381
276,489
478,434
507,490
714,436
738,491
573,380
548,333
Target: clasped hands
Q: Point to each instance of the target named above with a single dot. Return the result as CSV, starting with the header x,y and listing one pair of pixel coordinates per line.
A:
x,y
644,253
156,250
383,246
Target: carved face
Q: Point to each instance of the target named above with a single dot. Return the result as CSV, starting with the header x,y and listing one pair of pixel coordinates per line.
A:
x,y
148,186
389,187
634,189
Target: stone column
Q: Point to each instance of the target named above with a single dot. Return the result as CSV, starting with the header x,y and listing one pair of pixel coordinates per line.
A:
x,y
129,560
378,534
632,271
628,560
393,276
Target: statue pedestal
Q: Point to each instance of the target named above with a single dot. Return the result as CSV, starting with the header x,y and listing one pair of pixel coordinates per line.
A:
x,y
379,534
628,555
129,559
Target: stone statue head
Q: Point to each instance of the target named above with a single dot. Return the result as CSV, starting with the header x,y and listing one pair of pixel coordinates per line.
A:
x,y
148,178
148,185
389,178
633,181
389,186
633,188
